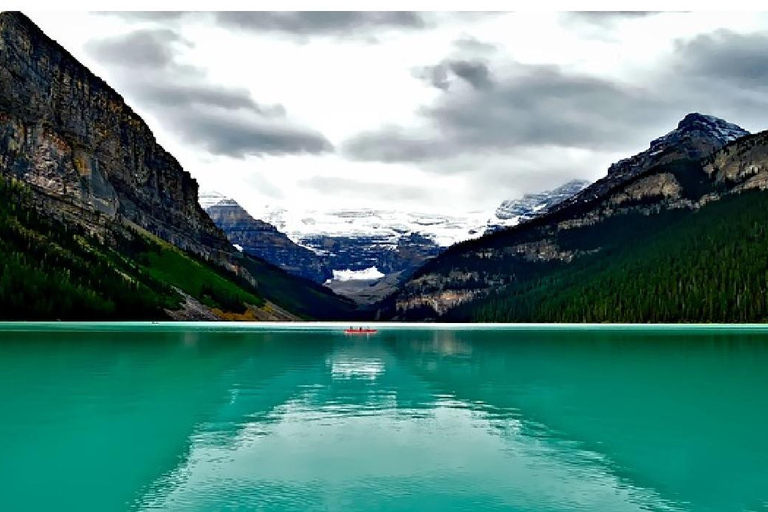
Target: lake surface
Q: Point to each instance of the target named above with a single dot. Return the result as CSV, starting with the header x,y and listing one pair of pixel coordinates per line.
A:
x,y
148,417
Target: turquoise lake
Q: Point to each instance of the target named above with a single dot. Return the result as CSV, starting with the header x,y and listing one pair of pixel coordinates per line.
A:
x,y
522,418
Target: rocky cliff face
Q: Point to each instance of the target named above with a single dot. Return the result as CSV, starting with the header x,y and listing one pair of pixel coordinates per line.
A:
x,y
258,238
87,155
700,161
741,165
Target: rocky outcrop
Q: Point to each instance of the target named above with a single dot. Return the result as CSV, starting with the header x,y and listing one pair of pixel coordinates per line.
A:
x,y
697,136
86,154
439,302
263,240
658,186
742,164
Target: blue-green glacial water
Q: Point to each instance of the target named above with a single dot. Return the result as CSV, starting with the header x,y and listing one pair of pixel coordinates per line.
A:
x,y
210,418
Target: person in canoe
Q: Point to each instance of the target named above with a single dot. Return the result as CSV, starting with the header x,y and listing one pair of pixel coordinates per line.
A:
x,y
359,330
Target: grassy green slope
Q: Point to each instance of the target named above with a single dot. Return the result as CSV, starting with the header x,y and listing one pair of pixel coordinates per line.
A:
x,y
51,271
709,265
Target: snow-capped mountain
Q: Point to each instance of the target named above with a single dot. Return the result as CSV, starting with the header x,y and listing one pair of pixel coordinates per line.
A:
x,y
531,205
363,244
386,226
696,136
337,252
263,240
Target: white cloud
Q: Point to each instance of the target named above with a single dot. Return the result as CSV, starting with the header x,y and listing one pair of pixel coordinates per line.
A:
x,y
341,87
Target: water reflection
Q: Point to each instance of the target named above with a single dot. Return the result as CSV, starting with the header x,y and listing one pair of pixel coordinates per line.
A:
x,y
678,414
410,420
346,434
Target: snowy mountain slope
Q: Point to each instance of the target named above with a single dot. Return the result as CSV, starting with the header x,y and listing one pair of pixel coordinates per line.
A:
x,y
363,245
386,227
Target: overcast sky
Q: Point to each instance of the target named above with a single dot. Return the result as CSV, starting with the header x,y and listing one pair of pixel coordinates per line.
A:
x,y
434,112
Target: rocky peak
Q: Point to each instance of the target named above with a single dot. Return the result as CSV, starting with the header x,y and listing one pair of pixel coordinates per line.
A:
x,y
711,125
702,130
696,136
262,239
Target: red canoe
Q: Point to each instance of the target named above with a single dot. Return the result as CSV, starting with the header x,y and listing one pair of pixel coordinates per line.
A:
x,y
359,331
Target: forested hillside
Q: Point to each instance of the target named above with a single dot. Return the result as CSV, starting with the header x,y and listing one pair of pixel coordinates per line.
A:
x,y
665,237
709,265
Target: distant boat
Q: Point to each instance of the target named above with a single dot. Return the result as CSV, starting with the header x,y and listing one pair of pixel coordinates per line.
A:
x,y
360,330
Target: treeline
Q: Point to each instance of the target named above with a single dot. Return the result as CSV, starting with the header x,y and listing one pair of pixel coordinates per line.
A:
x,y
50,270
709,265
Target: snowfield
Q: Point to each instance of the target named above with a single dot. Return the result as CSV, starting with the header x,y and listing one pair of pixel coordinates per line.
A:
x,y
369,274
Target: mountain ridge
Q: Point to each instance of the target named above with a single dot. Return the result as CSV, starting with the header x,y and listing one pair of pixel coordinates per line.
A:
x,y
362,242
470,271
714,133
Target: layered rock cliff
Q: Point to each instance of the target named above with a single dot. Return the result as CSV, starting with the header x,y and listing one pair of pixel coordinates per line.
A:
x,y
90,159
263,240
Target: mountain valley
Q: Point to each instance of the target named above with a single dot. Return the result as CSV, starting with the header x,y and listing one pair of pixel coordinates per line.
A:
x,y
98,221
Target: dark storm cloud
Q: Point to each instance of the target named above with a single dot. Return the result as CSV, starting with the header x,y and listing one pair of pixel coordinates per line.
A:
x,y
538,106
307,23
191,95
143,48
238,136
474,72
222,120
436,76
725,56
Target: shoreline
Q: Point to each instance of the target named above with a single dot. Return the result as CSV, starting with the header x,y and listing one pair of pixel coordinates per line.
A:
x,y
333,326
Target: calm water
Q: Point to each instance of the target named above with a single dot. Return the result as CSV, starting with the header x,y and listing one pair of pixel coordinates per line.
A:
x,y
518,420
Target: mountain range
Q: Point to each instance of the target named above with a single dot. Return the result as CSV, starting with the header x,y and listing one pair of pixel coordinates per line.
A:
x,y
675,233
363,254
98,221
